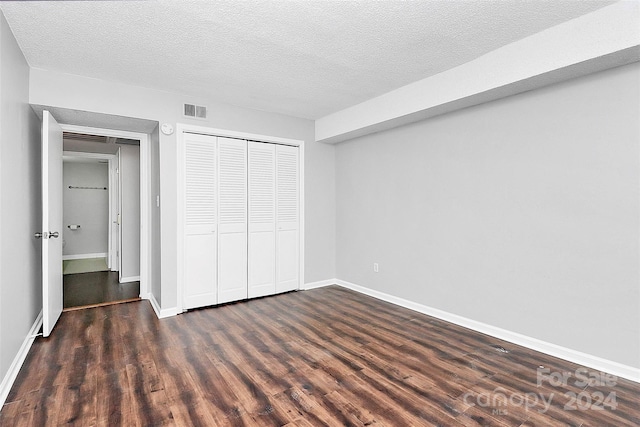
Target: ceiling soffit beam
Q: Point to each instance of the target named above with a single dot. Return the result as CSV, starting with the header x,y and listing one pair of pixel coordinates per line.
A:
x,y
606,38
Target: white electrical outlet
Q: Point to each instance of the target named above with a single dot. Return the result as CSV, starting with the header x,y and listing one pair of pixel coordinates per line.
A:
x,y
375,267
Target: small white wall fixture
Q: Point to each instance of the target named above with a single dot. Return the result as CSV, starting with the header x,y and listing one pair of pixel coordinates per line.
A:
x,y
145,194
183,131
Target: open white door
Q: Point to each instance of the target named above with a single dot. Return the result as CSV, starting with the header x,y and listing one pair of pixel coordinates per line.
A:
x,y
51,222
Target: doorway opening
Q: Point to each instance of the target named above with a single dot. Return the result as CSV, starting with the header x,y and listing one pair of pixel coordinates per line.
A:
x,y
144,131
101,220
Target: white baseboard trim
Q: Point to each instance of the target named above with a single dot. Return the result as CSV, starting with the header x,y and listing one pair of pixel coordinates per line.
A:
x,y
161,313
318,284
169,312
130,279
154,303
12,373
83,256
584,359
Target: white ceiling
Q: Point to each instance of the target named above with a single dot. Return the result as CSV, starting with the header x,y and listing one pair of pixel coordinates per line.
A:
x,y
302,58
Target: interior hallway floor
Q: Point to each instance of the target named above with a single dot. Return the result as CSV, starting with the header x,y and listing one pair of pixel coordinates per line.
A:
x,y
96,288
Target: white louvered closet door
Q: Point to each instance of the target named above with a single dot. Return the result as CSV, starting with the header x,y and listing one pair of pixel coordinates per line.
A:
x,y
232,220
262,219
287,219
200,221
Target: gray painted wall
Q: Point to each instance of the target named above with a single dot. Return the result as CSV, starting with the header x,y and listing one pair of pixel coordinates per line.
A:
x,y
130,210
521,213
20,216
88,208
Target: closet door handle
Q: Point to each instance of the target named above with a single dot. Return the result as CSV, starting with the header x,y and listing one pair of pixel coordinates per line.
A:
x,y
54,235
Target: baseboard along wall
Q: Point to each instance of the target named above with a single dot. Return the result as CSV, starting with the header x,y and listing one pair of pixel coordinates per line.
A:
x,y
578,357
160,313
83,256
12,373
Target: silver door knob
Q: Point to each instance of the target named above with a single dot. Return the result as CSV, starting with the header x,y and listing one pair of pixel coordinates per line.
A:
x,y
54,235
37,235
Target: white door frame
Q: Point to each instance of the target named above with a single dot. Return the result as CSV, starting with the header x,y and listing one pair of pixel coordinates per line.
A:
x,y
145,195
111,158
115,209
181,129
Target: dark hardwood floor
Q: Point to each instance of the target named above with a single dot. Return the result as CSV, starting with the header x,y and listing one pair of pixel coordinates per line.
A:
x,y
100,287
328,356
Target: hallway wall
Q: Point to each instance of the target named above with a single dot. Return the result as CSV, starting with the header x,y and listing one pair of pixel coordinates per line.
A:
x,y
130,210
88,208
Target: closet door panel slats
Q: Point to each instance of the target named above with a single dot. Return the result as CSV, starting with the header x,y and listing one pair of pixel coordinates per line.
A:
x,y
200,242
241,219
262,219
232,220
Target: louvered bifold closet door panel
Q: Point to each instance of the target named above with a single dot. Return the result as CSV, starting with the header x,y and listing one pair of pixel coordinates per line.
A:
x,y
287,219
232,220
262,219
200,240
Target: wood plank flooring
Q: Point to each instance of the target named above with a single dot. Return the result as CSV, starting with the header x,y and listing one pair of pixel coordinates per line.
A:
x,y
325,357
96,288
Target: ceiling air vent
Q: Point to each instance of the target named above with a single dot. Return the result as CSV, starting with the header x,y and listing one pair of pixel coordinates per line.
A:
x,y
201,112
195,111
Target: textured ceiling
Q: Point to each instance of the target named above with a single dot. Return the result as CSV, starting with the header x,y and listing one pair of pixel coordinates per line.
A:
x,y
302,58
